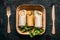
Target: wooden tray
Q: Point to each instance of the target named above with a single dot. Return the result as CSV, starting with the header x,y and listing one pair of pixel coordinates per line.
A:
x,y
31,7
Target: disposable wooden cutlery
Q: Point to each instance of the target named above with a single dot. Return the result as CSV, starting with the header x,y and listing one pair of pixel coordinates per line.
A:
x,y
8,15
53,19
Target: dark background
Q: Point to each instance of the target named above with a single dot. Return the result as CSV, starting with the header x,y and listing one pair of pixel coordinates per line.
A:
x,y
14,35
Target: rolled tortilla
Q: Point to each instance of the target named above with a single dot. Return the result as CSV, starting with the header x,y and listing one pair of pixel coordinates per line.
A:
x,y
38,18
30,18
22,18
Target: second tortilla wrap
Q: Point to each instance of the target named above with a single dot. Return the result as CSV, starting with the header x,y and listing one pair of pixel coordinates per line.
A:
x,y
30,18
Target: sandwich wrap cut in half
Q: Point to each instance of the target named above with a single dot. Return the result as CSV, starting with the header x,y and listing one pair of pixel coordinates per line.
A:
x,y
30,18
22,18
38,18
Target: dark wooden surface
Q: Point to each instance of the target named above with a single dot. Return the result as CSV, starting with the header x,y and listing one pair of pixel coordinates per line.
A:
x,y
14,35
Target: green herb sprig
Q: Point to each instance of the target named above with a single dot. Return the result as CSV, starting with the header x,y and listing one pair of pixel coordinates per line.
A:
x,y
36,31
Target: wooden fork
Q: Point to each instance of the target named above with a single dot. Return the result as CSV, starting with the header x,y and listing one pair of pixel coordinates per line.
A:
x,y
8,15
